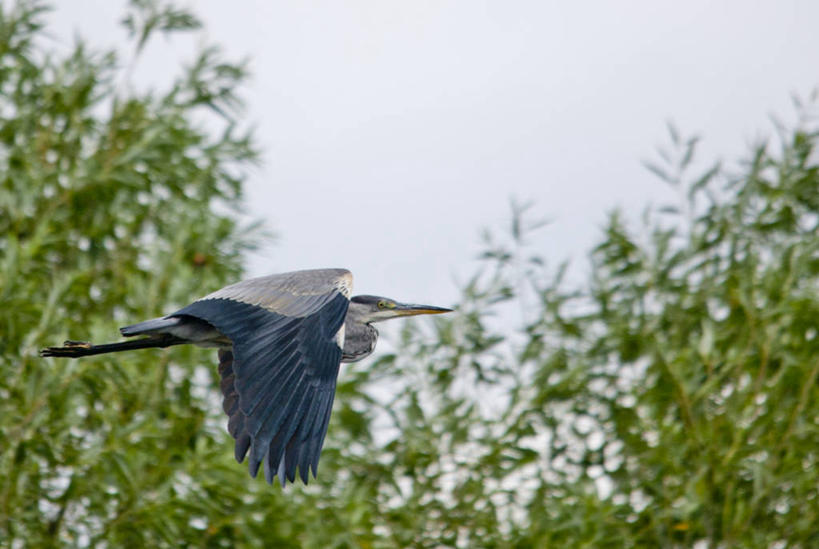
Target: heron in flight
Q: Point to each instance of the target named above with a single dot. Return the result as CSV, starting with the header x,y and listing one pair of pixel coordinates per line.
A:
x,y
281,339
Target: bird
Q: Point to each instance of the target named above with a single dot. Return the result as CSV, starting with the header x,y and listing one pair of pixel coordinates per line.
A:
x,y
280,341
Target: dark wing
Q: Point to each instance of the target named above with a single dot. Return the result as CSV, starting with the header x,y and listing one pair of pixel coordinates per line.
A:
x,y
279,379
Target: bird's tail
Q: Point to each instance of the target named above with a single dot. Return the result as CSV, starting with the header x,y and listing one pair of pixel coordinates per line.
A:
x,y
75,349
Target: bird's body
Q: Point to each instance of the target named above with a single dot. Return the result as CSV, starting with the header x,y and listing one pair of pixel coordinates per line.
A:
x,y
281,339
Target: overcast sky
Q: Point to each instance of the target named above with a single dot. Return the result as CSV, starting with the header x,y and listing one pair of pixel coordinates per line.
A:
x,y
392,132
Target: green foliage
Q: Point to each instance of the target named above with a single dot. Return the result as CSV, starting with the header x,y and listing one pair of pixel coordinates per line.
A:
x,y
670,401
113,207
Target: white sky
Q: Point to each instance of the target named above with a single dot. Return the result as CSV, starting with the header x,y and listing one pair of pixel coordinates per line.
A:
x,y
392,132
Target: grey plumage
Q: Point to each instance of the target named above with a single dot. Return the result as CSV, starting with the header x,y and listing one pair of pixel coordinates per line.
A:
x,y
295,294
190,329
360,336
281,339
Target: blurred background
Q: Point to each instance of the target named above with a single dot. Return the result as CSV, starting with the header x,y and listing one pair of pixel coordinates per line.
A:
x,y
621,201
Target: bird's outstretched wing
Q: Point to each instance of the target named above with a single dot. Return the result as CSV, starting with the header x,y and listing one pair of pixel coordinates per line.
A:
x,y
279,379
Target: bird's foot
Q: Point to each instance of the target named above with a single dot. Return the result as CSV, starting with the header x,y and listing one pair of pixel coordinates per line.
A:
x,y
77,344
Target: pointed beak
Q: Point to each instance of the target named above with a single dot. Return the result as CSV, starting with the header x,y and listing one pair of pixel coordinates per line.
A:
x,y
404,309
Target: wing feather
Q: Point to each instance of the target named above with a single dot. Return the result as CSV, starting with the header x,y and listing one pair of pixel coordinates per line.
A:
x,y
296,294
278,380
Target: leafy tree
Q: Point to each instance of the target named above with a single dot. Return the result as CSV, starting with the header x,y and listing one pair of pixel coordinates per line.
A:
x,y
670,401
113,207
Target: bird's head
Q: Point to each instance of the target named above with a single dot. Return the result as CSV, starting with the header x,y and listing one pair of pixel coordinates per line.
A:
x,y
371,308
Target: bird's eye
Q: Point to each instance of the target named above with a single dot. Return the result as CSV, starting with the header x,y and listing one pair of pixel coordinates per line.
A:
x,y
382,304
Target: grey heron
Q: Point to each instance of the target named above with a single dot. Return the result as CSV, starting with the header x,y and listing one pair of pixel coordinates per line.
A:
x,y
281,340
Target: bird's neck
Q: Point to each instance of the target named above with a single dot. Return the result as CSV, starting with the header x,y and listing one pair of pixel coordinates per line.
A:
x,y
359,339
